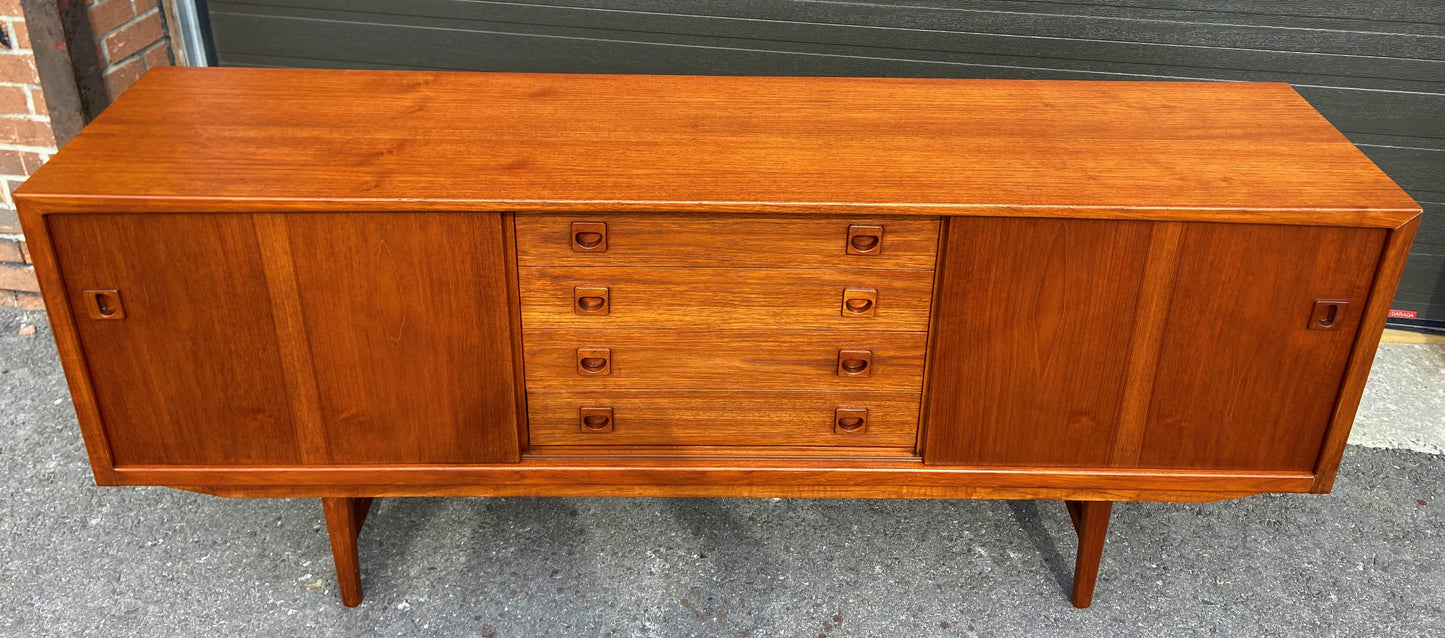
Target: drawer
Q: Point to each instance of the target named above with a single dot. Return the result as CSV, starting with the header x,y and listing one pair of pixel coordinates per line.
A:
x,y
724,298
727,418
722,241
699,359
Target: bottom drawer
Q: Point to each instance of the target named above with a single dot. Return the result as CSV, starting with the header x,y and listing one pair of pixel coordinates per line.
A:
x,y
723,418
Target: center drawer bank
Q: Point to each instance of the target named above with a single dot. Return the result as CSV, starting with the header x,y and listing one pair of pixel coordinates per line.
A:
x,y
332,284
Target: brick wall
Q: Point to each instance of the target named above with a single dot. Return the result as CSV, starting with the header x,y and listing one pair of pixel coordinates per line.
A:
x,y
130,38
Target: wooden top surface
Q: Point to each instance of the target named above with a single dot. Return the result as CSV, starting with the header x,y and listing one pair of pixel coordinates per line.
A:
x,y
254,139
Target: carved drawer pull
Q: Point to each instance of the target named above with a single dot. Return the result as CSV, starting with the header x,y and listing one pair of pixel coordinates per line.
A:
x,y
860,302
595,419
589,237
850,420
594,362
855,363
865,240
591,301
103,304
1328,313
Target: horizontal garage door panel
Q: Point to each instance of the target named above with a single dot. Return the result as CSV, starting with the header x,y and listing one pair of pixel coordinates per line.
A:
x,y
1376,70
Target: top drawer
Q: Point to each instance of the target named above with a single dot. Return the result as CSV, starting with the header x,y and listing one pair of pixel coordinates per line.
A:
x,y
733,241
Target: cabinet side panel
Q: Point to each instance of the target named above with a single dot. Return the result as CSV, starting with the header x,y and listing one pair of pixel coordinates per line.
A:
x,y
191,374
408,321
1032,340
1243,382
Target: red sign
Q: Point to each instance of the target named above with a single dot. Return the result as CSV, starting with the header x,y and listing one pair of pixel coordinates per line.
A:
x,y
1402,314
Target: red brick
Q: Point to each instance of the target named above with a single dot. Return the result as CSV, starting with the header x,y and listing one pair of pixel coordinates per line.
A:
x,y
12,163
10,8
37,100
142,6
12,101
10,251
132,38
20,277
29,301
107,15
20,35
25,132
9,223
19,162
18,68
158,55
21,300
120,77
25,252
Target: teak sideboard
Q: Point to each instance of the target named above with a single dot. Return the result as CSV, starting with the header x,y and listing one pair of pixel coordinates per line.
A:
x,y
358,284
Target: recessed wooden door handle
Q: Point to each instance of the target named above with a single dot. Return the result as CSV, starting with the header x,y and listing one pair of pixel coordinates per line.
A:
x,y
1328,314
589,237
594,362
103,304
850,420
860,302
855,363
588,300
595,419
865,240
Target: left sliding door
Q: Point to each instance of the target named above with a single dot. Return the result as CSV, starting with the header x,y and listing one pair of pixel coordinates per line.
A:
x,y
175,323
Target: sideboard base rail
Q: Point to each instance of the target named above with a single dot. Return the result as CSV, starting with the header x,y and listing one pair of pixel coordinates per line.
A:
x,y
345,515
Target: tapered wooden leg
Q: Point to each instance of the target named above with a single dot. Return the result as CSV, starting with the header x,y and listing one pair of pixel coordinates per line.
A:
x,y
1091,522
344,517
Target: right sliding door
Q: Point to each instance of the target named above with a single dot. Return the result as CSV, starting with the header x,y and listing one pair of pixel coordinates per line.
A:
x,y
1079,343
1254,345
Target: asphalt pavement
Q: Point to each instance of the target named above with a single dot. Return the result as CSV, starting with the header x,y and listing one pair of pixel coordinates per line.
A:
x,y
80,560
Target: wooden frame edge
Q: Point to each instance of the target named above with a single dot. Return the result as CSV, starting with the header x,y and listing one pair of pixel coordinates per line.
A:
x,y
940,256
514,325
704,491
1362,356
67,343
546,476
47,204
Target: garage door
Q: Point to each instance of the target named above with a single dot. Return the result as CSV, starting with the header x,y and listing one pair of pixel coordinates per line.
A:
x,y
1375,68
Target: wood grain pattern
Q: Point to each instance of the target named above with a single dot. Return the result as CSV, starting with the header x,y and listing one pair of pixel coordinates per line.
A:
x,y
726,298
715,452
716,491
68,345
192,374
1156,289
724,418
1033,331
304,398
727,241
410,332
743,360
1242,381
690,144
775,472
1367,342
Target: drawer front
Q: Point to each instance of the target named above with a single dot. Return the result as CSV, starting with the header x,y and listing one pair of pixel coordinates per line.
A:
x,y
742,241
722,418
725,298
745,360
